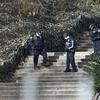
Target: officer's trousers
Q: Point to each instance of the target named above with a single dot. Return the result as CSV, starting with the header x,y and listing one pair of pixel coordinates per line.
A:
x,y
70,60
96,45
36,56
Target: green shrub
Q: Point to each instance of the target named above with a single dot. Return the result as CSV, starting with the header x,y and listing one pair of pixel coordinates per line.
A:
x,y
94,66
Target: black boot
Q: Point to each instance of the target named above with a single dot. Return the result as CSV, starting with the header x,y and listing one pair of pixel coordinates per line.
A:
x,y
75,70
67,70
36,67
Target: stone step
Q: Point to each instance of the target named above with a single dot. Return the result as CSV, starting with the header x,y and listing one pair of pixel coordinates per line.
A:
x,y
67,79
53,72
61,64
77,56
86,34
62,98
65,98
85,40
58,61
43,69
76,53
78,49
56,80
65,90
56,54
63,60
83,37
59,68
53,80
57,76
61,85
86,47
11,97
83,47
43,89
45,95
62,95
51,54
86,44
30,93
53,57
40,98
52,75
76,86
49,57
47,84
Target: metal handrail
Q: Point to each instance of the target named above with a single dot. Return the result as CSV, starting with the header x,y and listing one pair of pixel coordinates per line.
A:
x,y
97,96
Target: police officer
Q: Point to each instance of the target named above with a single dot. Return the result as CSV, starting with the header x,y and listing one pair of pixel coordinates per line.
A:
x,y
95,37
70,49
37,42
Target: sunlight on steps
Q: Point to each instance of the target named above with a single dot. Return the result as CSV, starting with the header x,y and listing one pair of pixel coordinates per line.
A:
x,y
43,86
49,83
28,87
88,91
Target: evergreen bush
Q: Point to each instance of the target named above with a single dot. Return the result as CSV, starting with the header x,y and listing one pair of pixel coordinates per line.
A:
x,y
10,65
94,66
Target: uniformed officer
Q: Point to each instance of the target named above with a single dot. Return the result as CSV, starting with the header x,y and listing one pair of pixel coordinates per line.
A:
x,y
95,37
37,42
70,49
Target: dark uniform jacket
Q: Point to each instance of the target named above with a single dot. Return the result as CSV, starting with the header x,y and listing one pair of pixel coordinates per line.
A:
x,y
37,42
70,44
95,34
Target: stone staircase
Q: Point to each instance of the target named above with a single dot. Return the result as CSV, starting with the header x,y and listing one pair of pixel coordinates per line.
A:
x,y
51,83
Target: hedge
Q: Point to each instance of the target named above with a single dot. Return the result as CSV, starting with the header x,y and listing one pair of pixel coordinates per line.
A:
x,y
93,66
9,66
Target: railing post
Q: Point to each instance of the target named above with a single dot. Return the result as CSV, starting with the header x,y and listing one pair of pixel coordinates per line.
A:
x,y
96,97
